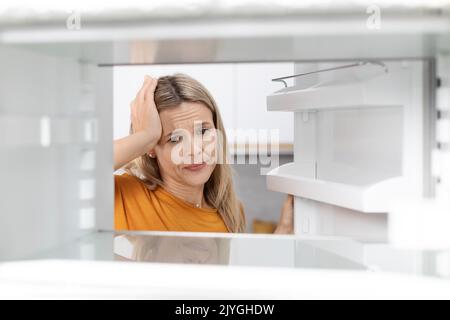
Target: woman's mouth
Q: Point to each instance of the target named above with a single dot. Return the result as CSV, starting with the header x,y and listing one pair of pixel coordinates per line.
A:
x,y
195,167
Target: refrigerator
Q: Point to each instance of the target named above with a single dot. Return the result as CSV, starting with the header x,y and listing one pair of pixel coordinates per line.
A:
x,y
369,94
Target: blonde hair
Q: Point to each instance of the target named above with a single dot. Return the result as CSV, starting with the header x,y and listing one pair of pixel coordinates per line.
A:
x,y
219,192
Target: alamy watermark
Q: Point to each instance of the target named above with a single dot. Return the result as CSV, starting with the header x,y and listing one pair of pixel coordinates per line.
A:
x,y
373,21
261,146
73,21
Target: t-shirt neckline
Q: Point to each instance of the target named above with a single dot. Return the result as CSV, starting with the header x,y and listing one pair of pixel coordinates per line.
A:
x,y
182,201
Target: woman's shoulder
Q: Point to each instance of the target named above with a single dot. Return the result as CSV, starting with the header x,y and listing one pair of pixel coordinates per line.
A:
x,y
126,181
124,178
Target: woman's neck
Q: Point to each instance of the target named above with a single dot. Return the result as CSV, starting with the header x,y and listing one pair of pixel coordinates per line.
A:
x,y
193,195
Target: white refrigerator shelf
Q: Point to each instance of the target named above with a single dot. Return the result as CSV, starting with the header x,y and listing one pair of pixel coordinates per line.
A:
x,y
335,96
366,198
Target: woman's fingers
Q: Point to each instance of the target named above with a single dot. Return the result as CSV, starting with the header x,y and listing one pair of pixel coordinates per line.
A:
x,y
148,86
141,93
149,93
144,114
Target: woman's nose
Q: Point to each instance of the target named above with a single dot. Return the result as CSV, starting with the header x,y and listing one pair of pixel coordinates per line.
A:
x,y
196,149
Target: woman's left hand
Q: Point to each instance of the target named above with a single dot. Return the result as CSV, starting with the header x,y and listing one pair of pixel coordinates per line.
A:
x,y
286,223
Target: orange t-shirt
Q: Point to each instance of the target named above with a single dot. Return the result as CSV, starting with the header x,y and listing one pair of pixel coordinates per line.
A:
x,y
138,208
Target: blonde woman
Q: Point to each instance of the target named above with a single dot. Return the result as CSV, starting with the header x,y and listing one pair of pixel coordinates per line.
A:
x,y
176,179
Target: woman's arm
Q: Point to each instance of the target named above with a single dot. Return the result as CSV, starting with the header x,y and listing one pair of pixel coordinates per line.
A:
x,y
129,148
146,126
286,223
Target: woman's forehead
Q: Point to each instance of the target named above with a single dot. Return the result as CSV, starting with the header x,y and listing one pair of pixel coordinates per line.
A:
x,y
185,116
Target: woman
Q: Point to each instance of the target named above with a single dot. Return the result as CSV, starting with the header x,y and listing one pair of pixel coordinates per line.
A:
x,y
175,180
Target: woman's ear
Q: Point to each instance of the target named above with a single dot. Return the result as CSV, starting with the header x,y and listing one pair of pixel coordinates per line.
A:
x,y
152,153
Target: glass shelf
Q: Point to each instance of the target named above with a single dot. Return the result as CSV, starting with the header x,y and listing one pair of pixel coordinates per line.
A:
x,y
172,265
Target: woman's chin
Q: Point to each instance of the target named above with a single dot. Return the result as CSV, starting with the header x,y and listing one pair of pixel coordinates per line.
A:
x,y
198,176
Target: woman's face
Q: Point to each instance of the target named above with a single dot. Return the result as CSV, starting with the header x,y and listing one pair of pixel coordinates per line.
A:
x,y
186,150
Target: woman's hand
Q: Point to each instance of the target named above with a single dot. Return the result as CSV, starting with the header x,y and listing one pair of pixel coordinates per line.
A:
x,y
286,223
144,116
146,126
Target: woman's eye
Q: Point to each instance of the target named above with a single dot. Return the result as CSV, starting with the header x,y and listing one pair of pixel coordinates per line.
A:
x,y
175,139
202,131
